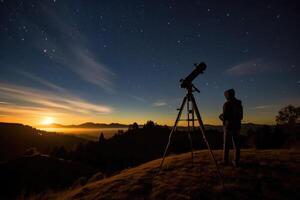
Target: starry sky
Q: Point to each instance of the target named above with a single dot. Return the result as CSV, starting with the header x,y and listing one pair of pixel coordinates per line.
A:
x,y
121,61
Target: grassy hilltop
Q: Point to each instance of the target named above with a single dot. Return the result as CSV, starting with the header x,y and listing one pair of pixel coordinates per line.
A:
x,y
264,174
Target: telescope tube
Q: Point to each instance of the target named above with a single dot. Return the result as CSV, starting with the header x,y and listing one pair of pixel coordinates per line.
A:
x,y
189,79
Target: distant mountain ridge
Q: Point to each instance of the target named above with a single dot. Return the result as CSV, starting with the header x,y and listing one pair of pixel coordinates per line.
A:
x,y
91,125
245,126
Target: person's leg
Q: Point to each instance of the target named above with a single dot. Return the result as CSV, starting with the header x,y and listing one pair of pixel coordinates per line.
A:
x,y
236,145
226,146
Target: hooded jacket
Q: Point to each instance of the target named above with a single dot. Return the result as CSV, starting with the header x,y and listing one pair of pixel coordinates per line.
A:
x,y
232,114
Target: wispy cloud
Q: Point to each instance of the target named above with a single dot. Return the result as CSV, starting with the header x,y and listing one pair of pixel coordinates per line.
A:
x,y
85,65
141,99
262,107
2,102
159,103
73,52
21,100
40,81
252,67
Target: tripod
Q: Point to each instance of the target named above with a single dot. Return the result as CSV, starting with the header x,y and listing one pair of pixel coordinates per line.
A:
x,y
189,100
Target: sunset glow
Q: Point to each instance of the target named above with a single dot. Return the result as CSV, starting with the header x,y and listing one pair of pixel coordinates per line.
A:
x,y
47,121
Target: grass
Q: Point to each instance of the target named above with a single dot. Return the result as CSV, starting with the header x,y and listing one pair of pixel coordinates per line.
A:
x,y
268,174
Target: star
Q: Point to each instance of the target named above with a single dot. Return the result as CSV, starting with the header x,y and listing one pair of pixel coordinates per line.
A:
x,y
180,42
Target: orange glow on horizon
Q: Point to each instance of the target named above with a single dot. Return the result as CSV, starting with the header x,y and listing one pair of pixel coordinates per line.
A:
x,y
47,121
37,121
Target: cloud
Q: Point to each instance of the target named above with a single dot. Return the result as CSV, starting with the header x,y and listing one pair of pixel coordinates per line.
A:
x,y
159,103
262,107
2,102
138,98
41,81
21,100
252,67
71,51
85,65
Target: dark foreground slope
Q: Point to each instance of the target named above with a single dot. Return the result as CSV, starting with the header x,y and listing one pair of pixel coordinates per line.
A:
x,y
36,173
269,174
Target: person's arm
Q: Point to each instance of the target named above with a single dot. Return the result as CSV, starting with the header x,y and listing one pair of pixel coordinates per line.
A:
x,y
225,112
242,112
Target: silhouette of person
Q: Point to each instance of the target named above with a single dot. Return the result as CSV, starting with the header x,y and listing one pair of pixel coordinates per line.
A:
x,y
231,117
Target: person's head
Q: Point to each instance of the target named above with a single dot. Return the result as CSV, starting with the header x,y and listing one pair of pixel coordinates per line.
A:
x,y
229,94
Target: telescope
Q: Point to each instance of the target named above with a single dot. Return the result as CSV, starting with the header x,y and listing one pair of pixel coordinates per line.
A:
x,y
187,82
190,103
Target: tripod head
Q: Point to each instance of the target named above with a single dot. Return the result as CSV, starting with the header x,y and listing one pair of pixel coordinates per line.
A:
x,y
187,82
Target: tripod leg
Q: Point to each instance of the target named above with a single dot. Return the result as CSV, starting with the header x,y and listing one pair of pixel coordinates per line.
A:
x,y
205,140
193,118
189,129
173,130
191,144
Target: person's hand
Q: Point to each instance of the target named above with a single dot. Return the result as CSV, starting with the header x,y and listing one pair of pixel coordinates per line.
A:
x,y
221,117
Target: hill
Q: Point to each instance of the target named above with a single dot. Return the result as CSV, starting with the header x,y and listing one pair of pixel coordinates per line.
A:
x,y
15,139
139,145
264,174
38,172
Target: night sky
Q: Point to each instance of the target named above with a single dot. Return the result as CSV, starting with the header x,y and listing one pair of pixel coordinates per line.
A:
x,y
121,61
